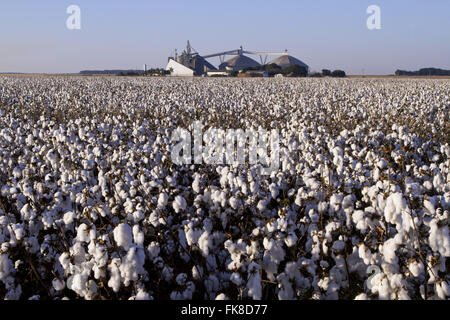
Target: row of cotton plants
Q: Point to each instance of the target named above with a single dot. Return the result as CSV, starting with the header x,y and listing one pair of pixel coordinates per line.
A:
x,y
93,207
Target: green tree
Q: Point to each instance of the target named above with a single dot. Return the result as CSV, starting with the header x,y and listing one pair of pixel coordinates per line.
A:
x,y
295,71
338,74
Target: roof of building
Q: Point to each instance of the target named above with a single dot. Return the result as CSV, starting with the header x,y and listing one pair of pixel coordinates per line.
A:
x,y
239,62
287,60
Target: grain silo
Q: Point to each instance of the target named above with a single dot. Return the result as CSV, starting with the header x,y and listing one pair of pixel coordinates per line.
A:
x,y
238,62
287,61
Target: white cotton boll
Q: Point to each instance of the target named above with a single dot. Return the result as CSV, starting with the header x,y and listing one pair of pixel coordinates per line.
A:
x,y
286,292
196,185
253,187
162,200
64,260
254,281
429,206
291,239
204,243
154,219
382,164
115,279
272,226
361,296
253,250
192,235
416,268
197,272
389,248
358,218
428,185
262,204
123,236
439,238
16,231
181,279
396,212
138,236
256,232
365,254
83,233
27,212
6,266
78,283
78,253
179,204
235,203
143,295
69,217
442,289
132,265
138,215
274,191
347,202
153,249
221,296
275,249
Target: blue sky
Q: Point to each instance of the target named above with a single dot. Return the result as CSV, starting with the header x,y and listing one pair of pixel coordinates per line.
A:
x,y
126,34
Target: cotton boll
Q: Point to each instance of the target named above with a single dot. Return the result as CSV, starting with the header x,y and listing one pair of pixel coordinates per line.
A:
x,y
196,185
162,200
83,233
254,281
143,295
439,238
361,296
291,239
442,289
132,266
78,253
69,217
235,203
153,249
396,212
138,236
123,236
416,268
179,204
64,260
181,279
382,164
115,278
204,243
197,272
221,296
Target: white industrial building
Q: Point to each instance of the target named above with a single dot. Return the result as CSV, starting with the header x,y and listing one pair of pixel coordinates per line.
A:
x,y
190,63
178,70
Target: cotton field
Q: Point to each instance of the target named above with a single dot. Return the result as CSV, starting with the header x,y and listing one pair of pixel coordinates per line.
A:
x,y
93,207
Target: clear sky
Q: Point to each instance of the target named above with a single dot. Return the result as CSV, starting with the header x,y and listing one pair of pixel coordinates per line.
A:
x,y
126,34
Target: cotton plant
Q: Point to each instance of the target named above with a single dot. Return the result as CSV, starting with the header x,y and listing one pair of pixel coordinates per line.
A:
x,y
91,199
